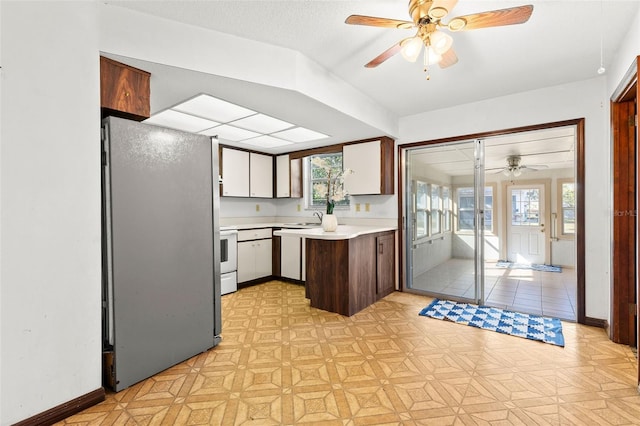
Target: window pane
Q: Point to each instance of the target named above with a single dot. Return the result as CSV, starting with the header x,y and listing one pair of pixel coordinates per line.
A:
x,y
465,220
446,208
568,195
466,208
435,209
488,208
568,208
568,221
465,198
421,195
318,182
525,207
421,224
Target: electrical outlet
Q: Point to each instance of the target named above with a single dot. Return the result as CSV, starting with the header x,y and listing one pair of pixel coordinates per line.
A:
x,y
299,208
367,207
357,207
257,207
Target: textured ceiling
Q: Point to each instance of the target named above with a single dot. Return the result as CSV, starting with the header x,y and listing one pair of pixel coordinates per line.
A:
x,y
559,44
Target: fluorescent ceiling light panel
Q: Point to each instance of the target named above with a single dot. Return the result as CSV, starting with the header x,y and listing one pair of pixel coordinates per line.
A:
x,y
266,141
213,108
180,121
262,124
300,134
230,133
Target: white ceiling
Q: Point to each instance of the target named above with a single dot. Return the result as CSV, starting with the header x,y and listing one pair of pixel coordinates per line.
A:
x,y
551,148
559,44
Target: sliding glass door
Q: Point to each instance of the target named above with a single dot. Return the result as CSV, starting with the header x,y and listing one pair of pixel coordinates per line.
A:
x,y
444,217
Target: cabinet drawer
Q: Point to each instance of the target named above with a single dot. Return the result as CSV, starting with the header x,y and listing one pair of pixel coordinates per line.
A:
x,y
254,234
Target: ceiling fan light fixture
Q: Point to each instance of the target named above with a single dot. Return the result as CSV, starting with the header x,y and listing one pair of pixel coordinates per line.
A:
x,y
457,24
411,48
517,172
440,41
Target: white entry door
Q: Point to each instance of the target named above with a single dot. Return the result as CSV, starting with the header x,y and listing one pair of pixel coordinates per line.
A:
x,y
526,232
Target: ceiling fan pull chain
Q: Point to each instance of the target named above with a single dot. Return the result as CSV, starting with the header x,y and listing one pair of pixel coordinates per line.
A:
x,y
426,60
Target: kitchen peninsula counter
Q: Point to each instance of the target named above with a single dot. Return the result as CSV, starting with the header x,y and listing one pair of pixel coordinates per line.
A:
x,y
349,269
343,232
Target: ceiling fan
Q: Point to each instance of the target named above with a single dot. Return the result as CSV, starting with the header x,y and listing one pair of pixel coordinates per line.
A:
x,y
515,168
427,16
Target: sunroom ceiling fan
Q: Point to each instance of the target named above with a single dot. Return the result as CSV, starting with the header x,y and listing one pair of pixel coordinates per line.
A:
x,y
515,168
427,18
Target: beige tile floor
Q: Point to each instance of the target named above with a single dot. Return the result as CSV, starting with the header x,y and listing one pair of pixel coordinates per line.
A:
x,y
283,362
542,293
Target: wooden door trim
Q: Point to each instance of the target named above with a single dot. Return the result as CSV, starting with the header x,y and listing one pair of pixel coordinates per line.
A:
x,y
629,90
580,205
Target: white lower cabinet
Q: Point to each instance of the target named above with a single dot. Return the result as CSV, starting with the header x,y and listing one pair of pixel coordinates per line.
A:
x,y
254,254
290,257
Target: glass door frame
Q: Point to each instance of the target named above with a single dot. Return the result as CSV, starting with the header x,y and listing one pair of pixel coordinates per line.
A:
x,y
409,223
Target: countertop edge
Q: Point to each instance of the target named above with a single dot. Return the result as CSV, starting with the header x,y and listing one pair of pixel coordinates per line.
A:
x,y
344,232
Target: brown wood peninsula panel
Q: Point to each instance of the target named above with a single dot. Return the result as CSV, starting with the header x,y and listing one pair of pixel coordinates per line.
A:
x,y
342,275
386,279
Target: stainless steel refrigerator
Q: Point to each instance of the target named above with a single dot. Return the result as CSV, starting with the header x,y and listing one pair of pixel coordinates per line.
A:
x,y
161,264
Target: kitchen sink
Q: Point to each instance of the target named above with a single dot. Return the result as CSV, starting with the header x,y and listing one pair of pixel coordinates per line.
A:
x,y
303,225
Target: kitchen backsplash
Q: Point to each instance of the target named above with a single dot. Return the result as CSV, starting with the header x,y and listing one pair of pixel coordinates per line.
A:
x,y
370,207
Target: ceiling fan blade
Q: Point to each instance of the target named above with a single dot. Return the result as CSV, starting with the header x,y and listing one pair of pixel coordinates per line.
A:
x,y
372,21
535,166
384,55
494,18
497,171
448,58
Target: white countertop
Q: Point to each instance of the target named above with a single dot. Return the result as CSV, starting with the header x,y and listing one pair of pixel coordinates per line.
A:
x,y
344,232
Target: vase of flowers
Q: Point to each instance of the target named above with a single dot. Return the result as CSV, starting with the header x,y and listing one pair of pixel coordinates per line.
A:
x,y
331,189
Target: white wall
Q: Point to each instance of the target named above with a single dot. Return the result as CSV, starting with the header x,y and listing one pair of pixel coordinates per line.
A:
x,y
627,51
50,206
586,99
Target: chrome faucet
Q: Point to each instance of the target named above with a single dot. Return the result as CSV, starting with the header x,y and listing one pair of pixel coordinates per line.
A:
x,y
319,214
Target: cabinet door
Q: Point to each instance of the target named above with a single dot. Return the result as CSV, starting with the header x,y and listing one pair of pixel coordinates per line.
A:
x,y
295,177
385,265
124,90
261,175
283,177
290,249
246,261
235,173
263,258
364,159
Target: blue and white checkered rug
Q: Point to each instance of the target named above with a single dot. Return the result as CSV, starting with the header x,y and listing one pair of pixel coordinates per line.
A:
x,y
533,327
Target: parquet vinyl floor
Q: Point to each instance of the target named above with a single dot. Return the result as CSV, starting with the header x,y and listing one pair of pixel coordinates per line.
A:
x,y
282,362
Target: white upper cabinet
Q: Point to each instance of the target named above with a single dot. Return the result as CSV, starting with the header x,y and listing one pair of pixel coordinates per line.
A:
x,y
235,173
283,177
372,165
246,174
261,175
